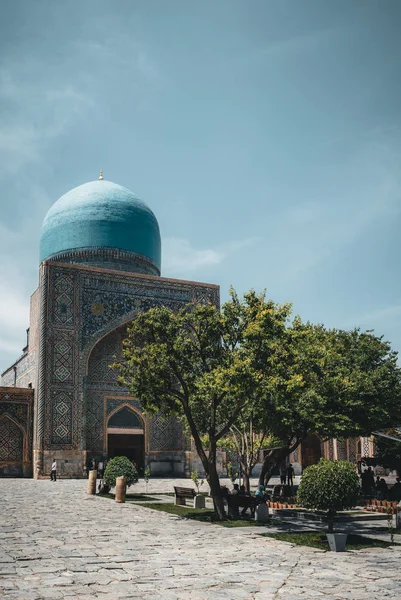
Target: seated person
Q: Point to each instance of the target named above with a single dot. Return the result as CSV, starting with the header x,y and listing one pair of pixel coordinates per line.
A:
x,y
259,495
243,491
235,490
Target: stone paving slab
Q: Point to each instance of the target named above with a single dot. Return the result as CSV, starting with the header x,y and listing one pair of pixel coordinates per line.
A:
x,y
57,542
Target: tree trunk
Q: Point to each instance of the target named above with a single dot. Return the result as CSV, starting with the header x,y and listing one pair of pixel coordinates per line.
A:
x,y
215,489
330,521
246,474
274,459
270,462
247,482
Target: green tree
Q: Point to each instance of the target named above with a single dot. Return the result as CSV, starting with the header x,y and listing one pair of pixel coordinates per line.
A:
x,y
329,486
388,452
330,382
198,363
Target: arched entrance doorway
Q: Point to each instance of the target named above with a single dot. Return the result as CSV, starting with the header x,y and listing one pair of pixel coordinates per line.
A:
x,y
310,451
11,447
126,436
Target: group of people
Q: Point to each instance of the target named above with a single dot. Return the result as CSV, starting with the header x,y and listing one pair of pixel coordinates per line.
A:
x,y
93,465
287,474
378,487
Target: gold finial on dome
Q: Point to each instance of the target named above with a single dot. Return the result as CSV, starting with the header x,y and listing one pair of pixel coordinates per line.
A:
x,y
101,176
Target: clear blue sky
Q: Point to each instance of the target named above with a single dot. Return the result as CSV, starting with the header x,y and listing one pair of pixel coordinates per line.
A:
x,y
265,135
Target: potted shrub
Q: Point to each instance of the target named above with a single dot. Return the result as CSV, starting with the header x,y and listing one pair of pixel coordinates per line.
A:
x,y
330,486
118,466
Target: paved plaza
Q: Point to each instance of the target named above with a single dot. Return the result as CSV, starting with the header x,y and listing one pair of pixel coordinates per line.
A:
x,y
58,542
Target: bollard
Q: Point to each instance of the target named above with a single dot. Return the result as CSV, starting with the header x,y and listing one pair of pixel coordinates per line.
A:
x,y
262,512
120,488
92,482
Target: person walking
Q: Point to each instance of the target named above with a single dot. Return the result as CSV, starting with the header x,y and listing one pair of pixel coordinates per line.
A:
x,y
283,474
290,474
53,472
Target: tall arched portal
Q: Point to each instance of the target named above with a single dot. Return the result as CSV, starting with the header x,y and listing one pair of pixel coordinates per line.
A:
x,y
126,436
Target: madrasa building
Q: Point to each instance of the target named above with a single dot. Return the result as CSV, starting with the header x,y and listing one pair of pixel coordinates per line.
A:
x,y
100,261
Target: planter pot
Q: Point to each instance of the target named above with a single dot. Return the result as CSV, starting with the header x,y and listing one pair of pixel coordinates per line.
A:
x,y
337,541
199,501
262,512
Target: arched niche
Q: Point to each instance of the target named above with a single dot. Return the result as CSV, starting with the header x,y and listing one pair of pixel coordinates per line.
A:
x,y
12,441
103,354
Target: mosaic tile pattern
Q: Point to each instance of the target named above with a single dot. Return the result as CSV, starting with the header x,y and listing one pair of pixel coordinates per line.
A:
x,y
11,441
62,418
165,433
16,422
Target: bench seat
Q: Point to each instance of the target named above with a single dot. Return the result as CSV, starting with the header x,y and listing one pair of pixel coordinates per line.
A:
x,y
182,493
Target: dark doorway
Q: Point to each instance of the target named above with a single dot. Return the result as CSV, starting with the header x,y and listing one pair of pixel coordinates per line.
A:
x,y
311,452
130,445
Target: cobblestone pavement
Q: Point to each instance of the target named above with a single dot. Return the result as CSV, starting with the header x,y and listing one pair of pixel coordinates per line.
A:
x,y
58,542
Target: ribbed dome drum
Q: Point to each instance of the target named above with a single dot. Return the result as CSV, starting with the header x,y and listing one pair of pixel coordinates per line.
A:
x,y
102,224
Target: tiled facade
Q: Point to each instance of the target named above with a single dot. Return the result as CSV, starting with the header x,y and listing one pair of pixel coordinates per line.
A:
x,y
79,314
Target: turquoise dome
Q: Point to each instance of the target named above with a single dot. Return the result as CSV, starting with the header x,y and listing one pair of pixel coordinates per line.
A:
x,y
100,215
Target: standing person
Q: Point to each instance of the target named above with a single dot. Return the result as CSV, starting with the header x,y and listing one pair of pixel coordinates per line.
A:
x,y
370,481
290,474
53,472
283,474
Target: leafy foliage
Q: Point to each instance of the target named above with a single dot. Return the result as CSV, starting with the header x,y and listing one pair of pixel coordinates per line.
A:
x,y
198,363
197,480
388,453
147,473
329,486
118,466
330,382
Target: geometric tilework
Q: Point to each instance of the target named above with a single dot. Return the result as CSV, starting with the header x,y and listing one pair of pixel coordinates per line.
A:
x,y
113,404
64,300
341,449
107,299
62,419
94,421
366,446
11,440
165,433
125,419
331,450
102,356
63,358
16,420
352,450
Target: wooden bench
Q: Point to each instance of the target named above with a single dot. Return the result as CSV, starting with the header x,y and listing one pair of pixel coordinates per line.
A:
x,y
237,501
182,493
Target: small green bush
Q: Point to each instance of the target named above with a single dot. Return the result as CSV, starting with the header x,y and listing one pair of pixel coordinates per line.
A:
x,y
329,486
118,466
